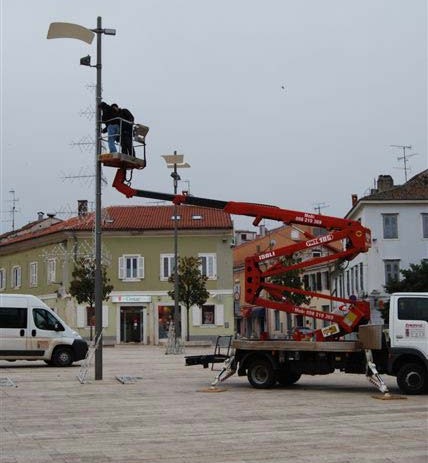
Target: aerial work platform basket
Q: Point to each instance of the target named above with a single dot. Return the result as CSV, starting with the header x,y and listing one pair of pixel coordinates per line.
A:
x,y
126,161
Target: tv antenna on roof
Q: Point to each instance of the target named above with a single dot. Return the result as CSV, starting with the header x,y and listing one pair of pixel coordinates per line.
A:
x,y
405,157
319,206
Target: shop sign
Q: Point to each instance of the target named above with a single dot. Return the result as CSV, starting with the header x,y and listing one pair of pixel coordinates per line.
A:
x,y
131,298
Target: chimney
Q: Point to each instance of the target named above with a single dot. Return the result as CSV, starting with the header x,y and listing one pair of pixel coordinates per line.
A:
x,y
262,230
384,183
82,207
50,215
354,199
40,216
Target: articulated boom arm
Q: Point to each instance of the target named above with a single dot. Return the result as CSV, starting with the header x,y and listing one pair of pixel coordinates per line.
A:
x,y
260,268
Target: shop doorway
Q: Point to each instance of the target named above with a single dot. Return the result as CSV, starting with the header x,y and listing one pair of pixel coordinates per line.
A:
x,y
131,324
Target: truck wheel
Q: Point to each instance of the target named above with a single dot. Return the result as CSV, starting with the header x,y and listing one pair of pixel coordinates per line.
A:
x,y
62,357
260,374
412,379
287,378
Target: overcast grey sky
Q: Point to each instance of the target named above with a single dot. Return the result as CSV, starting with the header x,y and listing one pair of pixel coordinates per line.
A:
x,y
207,77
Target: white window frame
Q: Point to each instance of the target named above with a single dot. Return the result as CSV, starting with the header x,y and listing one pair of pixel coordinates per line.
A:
x,y
16,277
170,265
218,316
390,228
210,269
2,279
391,271
424,225
33,274
139,270
51,270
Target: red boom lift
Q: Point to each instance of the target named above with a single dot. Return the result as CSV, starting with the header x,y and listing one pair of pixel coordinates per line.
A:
x,y
349,236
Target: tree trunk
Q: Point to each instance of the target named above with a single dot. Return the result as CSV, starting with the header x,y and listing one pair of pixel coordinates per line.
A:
x,y
188,325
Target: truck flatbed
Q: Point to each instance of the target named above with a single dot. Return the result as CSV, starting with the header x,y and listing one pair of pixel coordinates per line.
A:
x,y
280,344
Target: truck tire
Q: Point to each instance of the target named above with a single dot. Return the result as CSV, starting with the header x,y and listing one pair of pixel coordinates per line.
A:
x,y
287,378
62,357
412,379
260,374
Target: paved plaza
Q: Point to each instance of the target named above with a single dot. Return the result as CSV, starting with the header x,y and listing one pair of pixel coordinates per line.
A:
x,y
165,416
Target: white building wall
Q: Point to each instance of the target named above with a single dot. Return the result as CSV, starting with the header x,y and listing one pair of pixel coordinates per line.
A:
x,y
409,248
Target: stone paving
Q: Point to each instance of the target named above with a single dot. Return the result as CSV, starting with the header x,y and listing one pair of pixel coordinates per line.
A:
x,y
165,418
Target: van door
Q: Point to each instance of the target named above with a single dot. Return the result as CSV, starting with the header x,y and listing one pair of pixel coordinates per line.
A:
x,y
44,331
410,319
13,331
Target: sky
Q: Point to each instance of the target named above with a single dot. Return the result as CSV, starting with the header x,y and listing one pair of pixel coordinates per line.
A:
x,y
282,102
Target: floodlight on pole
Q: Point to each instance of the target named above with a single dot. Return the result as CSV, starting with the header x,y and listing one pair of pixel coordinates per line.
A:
x,y
176,161
60,30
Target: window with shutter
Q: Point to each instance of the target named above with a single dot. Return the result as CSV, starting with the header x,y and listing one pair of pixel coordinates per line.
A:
x,y
2,278
51,273
166,266
131,268
196,315
16,276
208,265
33,274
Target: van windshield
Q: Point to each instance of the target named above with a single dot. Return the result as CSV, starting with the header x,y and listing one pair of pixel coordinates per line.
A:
x,y
46,321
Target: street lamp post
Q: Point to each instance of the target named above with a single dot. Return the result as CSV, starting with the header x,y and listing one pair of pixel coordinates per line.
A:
x,y
75,31
175,161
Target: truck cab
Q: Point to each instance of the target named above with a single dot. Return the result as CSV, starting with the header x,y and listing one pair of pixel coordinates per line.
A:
x,y
408,339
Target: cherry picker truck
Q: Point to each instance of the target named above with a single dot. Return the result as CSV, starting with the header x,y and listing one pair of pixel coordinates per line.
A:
x,y
266,362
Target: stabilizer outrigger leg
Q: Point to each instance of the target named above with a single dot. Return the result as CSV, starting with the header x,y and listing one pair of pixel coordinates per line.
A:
x,y
372,374
229,368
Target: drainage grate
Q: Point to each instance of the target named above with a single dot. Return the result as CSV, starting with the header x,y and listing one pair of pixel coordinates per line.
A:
x,y
128,379
7,382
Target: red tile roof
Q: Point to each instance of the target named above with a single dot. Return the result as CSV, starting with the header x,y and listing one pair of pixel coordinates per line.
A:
x,y
133,218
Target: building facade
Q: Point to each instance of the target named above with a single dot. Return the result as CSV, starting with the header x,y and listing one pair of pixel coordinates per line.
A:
x,y
397,216
138,251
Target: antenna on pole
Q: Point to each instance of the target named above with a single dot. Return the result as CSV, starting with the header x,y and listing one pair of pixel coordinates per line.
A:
x,y
13,210
405,157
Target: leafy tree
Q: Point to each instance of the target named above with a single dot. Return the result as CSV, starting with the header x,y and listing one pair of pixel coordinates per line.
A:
x,y
82,287
414,279
292,279
191,285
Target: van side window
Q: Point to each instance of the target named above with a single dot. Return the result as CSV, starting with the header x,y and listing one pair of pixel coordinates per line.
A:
x,y
45,321
413,308
13,317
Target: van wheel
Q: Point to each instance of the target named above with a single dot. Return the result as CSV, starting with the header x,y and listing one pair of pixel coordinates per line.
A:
x,y
260,374
62,357
412,379
287,378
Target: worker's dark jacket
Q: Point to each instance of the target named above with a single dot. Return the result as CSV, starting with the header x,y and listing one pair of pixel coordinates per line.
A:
x,y
109,114
128,120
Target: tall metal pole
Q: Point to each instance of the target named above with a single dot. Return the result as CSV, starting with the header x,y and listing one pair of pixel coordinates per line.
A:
x,y
98,231
176,306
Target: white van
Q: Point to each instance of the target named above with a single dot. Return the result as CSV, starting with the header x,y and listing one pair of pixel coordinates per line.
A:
x,y
30,330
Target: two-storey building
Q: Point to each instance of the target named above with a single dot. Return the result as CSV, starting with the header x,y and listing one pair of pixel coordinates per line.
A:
x,y
138,250
397,216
